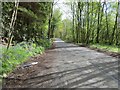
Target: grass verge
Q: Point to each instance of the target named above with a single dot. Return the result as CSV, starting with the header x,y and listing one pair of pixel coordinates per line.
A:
x,y
106,48
18,54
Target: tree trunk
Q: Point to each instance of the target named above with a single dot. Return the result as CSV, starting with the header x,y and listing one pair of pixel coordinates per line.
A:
x,y
50,18
114,29
14,16
98,24
102,13
73,27
78,24
107,31
88,33
118,26
80,20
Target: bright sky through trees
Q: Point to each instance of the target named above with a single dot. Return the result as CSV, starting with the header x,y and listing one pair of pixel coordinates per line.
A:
x,y
64,8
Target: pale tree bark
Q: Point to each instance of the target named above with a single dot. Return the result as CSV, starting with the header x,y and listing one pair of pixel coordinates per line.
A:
x,y
91,23
107,27
13,19
73,27
83,27
101,19
93,31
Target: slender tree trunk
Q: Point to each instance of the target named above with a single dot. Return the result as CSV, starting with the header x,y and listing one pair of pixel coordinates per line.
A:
x,y
78,24
14,16
114,29
93,31
73,27
102,13
107,31
98,24
83,32
80,20
50,18
118,26
91,22
82,35
87,35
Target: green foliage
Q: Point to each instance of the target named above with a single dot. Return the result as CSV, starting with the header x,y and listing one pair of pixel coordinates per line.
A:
x,y
31,25
56,17
31,20
91,22
64,30
28,12
106,47
45,43
54,22
17,55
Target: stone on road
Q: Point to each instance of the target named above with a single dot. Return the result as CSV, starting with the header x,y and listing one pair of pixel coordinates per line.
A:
x,y
72,66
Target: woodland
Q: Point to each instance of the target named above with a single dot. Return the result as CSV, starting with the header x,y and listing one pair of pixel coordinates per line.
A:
x,y
29,28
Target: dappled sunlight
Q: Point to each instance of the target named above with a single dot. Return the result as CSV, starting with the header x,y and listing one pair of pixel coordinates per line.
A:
x,y
76,77
73,67
60,44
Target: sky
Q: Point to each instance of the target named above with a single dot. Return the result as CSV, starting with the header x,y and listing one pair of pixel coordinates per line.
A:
x,y
64,8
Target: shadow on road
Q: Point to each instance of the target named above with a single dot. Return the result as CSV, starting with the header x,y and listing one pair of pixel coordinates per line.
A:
x,y
74,77
93,74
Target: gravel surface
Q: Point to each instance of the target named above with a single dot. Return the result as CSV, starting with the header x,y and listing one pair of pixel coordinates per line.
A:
x,y
67,66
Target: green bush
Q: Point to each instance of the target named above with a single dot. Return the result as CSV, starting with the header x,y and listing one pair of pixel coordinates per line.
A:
x,y
17,55
45,43
111,48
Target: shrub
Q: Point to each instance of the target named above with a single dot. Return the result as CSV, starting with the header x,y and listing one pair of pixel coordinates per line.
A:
x,y
17,55
45,43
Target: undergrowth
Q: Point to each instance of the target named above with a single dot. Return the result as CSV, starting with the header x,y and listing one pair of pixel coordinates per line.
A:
x,y
110,48
18,54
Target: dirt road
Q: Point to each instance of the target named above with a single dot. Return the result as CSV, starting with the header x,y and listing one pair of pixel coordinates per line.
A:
x,y
69,66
